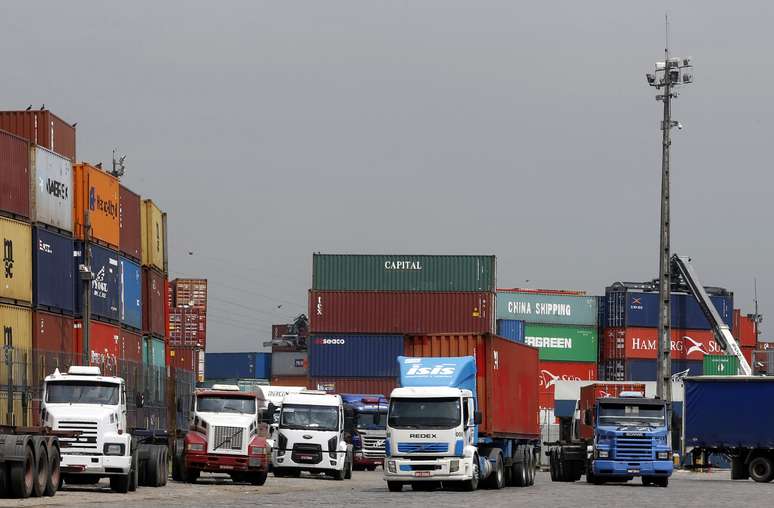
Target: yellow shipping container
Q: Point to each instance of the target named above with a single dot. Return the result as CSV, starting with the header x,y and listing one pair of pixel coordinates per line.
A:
x,y
152,235
16,325
16,268
22,409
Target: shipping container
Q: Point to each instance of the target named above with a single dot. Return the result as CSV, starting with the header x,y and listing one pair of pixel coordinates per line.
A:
x,y
511,329
237,365
54,283
645,370
289,381
42,128
15,171
720,365
293,363
360,272
191,293
51,189
400,312
154,352
342,355
106,284
153,304
278,331
104,345
188,327
383,385
539,307
129,223
131,345
16,270
745,330
506,374
131,294
186,358
52,343
551,372
16,323
97,192
640,309
563,343
152,231
631,343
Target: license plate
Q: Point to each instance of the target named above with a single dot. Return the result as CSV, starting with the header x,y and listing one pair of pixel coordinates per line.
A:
x,y
422,474
223,466
305,457
633,471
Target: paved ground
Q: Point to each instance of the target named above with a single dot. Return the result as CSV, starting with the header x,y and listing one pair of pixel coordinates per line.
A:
x,y
368,490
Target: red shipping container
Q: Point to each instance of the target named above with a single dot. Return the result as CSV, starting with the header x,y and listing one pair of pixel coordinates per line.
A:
x,y
14,175
551,372
188,327
153,302
366,385
506,378
191,293
185,358
52,343
131,346
104,345
744,329
290,381
129,223
590,393
400,312
642,343
41,128
277,331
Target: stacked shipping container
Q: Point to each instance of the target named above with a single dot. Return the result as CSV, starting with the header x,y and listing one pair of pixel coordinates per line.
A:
x,y
188,323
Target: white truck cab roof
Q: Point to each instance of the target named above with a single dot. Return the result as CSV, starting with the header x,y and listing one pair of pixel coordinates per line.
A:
x,y
312,398
430,391
76,373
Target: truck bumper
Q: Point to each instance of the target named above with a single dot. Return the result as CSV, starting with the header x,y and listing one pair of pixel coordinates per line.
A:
x,y
95,464
628,469
397,469
326,463
361,460
214,463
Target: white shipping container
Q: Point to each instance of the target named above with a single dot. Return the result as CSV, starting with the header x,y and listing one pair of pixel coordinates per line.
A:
x,y
289,363
51,189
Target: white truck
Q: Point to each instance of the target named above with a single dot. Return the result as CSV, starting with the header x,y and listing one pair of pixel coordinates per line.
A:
x,y
311,436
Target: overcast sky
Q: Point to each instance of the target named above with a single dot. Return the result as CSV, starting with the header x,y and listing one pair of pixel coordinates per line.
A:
x,y
270,130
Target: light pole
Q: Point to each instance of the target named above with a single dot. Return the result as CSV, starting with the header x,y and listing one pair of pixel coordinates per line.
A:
x,y
669,74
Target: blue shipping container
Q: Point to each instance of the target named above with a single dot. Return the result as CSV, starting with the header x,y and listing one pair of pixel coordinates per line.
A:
x,y
131,294
728,412
640,309
237,365
52,271
645,370
342,355
512,329
106,285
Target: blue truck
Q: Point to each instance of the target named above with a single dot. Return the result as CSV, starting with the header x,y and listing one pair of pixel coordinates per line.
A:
x,y
731,415
369,420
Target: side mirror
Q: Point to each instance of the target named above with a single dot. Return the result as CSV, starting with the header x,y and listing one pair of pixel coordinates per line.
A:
x,y
477,418
139,400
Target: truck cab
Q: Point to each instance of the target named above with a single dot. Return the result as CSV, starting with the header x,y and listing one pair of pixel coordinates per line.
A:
x,y
84,401
312,436
225,436
369,421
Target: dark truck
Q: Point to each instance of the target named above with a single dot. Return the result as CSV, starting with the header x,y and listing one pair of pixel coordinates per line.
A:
x,y
369,422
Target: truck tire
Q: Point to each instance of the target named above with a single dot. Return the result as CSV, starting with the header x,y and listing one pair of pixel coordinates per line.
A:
x,y
178,461
258,479
120,483
22,475
394,486
661,481
42,473
150,475
472,484
739,469
341,474
552,466
55,472
761,469
530,467
519,469
163,466
133,472
191,475
496,479
4,491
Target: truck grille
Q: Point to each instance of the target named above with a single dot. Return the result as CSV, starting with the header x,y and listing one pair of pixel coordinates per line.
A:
x,y
633,448
373,447
306,454
227,438
423,447
86,442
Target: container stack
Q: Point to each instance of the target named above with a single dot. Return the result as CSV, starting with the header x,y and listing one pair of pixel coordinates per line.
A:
x,y
188,324
130,256
561,324
243,369
362,306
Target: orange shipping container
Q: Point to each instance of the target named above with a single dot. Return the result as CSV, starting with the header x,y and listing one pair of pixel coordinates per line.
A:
x,y
97,192
290,381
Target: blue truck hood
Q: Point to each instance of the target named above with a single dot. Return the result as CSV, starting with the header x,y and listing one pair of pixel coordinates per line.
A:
x,y
453,372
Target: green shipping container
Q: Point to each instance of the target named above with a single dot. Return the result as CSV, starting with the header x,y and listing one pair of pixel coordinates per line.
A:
x,y
153,352
563,343
721,365
362,272
547,308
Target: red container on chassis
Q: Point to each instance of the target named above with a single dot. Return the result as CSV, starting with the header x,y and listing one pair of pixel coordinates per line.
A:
x,y
551,372
104,345
400,312
41,128
383,385
14,175
506,378
590,393
290,381
131,346
153,302
129,223
185,358
52,344
642,343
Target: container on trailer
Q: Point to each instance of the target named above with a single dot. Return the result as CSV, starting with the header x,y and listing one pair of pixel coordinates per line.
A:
x,y
563,343
552,372
400,312
152,231
153,302
506,372
106,284
248,365
720,365
51,189
289,381
129,223
354,384
362,272
511,329
52,344
131,294
626,308
539,306
104,345
131,346
97,192
346,355
53,280
15,170
633,342
290,363
42,128
16,267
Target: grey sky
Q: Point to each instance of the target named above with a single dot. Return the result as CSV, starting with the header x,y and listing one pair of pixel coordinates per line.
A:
x,y
269,130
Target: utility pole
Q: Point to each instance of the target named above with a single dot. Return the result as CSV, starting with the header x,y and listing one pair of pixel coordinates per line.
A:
x,y
86,276
667,76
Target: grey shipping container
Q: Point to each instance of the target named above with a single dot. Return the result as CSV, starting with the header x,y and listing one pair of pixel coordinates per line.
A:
x,y
289,363
51,189
537,307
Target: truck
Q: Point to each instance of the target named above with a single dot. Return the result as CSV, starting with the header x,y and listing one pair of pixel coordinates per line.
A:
x,y
620,435
369,420
731,415
29,461
311,436
226,436
456,422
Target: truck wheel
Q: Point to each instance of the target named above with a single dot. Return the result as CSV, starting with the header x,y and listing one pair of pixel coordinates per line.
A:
x,y
647,480
42,473
120,483
472,484
761,469
394,486
739,469
496,479
552,466
530,468
150,472
661,481
519,469
55,476
133,473
191,475
341,474
348,467
164,466
22,475
258,479
178,461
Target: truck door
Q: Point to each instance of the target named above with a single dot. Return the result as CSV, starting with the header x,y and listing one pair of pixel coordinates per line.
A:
x,y
468,410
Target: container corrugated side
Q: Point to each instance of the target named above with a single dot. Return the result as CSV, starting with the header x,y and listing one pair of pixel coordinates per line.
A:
x,y
52,343
563,343
642,343
343,355
129,223
363,272
131,345
289,381
15,171
16,267
51,189
720,365
130,305
53,279
152,235
553,372
640,309
104,345
289,363
547,308
512,329
97,192
383,385
153,302
106,284
43,128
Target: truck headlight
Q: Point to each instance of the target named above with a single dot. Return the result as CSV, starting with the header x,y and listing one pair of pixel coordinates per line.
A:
x,y
454,466
391,466
603,454
662,455
113,449
195,447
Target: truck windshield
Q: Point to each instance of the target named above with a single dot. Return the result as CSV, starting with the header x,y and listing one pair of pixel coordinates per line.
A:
x,y
425,413
82,392
215,404
631,414
297,416
370,420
